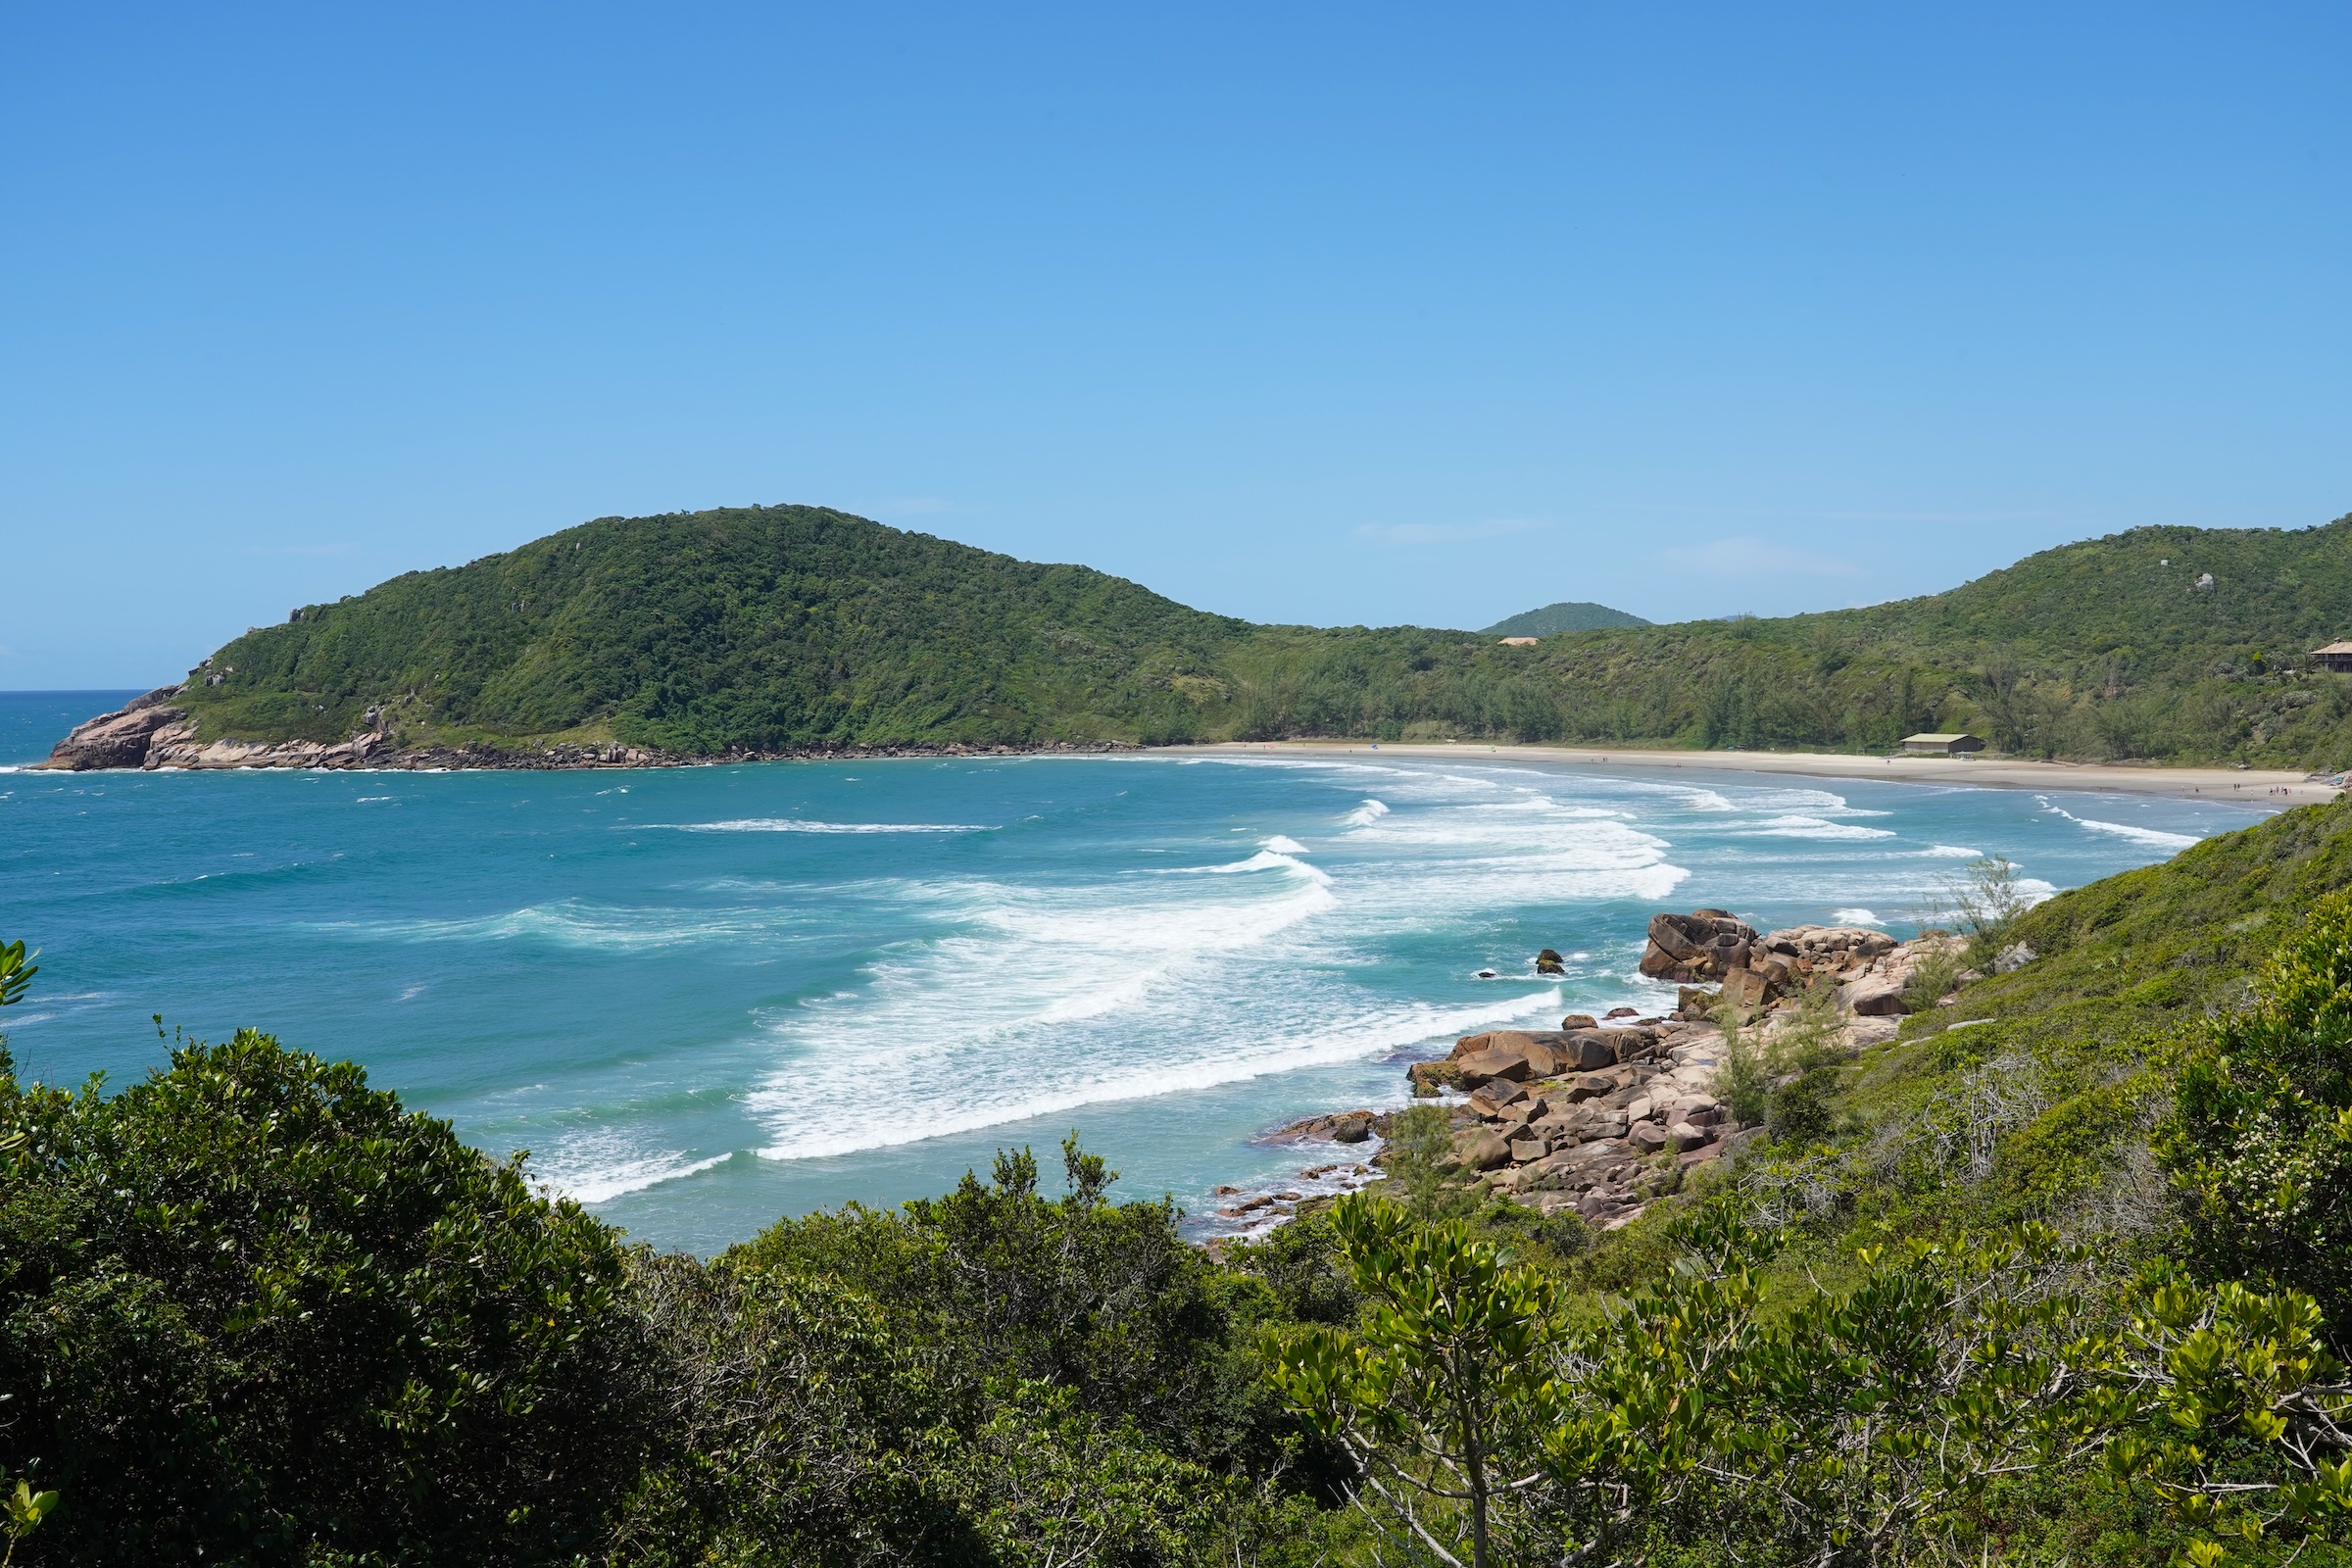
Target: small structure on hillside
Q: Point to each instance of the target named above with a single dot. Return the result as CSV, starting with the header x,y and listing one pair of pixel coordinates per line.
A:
x,y
2336,656
1942,745
1521,642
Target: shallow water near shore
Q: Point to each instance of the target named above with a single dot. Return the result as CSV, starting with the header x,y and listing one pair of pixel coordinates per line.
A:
x,y
706,997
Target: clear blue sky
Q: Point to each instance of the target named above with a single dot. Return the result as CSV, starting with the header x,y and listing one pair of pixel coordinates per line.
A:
x,y
1310,313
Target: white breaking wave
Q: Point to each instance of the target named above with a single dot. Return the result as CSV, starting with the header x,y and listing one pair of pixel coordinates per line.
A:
x,y
1951,852
1854,916
2124,830
576,923
1265,859
796,824
1813,827
1351,1040
1039,1000
572,1173
1365,814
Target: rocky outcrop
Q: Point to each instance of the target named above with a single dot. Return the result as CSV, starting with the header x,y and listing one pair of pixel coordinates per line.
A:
x,y
154,733
1703,945
1602,1119
1339,1127
1598,1121
120,739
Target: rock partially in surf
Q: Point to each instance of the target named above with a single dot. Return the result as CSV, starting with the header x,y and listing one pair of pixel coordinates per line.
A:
x,y
1579,1020
1431,1078
1345,1127
1549,961
1486,974
120,739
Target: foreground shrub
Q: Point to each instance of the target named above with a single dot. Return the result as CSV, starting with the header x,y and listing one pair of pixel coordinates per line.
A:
x,y
2261,1138
252,1310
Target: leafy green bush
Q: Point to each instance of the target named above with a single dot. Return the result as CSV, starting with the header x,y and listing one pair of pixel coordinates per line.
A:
x,y
2261,1138
1105,1300
250,1308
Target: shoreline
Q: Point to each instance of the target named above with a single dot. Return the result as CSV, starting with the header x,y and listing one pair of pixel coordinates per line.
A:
x,y
2252,786
150,734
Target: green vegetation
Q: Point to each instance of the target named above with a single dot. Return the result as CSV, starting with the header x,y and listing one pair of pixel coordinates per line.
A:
x,y
2056,1276
794,628
1572,615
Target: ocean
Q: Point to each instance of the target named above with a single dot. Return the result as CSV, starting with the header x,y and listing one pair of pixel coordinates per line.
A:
x,y
704,998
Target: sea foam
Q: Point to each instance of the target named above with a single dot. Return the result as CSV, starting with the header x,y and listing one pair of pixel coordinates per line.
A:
x,y
796,824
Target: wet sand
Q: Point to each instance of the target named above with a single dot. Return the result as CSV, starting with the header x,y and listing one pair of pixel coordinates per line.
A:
x,y
2198,783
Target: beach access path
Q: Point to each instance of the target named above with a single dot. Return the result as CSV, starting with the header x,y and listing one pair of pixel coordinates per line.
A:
x,y
2199,783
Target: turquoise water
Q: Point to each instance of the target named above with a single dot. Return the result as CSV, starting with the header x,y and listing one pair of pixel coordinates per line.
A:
x,y
706,997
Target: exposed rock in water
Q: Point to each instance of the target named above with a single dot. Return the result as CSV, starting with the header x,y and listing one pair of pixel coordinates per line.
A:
x,y
120,739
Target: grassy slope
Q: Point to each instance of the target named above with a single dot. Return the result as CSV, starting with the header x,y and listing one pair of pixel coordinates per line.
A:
x,y
790,626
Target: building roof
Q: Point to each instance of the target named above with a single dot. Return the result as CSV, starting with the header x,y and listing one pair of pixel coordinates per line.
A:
x,y
1957,735
2335,648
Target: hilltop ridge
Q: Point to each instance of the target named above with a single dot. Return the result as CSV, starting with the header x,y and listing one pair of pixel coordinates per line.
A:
x,y
798,630
1569,614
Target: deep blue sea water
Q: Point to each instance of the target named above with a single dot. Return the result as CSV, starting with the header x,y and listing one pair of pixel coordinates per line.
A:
x,y
706,997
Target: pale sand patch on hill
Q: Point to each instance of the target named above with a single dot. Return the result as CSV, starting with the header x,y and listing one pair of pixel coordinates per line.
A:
x,y
2253,786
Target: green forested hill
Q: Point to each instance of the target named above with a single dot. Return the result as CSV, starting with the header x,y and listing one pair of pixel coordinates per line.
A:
x,y
756,627
1567,615
785,627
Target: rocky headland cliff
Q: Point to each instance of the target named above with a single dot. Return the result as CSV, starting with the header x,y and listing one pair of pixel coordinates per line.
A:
x,y
155,731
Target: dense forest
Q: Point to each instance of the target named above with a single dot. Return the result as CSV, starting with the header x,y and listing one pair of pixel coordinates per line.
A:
x,y
793,628
1573,615
2062,1274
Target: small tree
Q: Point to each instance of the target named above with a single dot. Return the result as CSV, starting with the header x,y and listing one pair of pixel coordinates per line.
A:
x,y
1445,1382
1985,902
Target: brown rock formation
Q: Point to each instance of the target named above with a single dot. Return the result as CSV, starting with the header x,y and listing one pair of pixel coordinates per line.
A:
x,y
120,739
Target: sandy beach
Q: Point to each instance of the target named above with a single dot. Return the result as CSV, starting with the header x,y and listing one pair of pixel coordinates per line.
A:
x,y
2201,783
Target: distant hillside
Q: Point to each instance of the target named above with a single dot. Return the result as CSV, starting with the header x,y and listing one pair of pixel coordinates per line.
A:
x,y
791,628
1570,614
759,627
